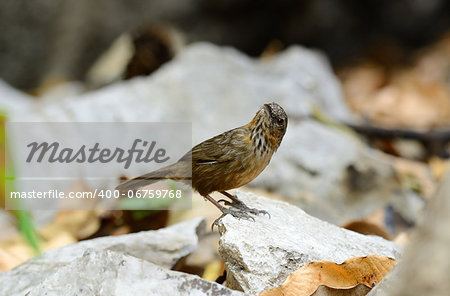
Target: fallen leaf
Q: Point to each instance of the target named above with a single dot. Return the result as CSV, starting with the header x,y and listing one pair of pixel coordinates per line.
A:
x,y
125,229
305,281
398,96
367,228
358,290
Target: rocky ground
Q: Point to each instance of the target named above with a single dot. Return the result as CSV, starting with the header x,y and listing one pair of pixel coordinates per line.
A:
x,y
258,255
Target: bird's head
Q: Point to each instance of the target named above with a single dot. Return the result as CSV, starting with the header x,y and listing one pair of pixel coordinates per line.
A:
x,y
272,121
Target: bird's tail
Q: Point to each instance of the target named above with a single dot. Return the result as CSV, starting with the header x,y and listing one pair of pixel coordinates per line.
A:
x,y
176,171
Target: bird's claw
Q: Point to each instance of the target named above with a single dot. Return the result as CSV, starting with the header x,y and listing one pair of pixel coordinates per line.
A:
x,y
239,210
257,212
225,202
236,203
236,213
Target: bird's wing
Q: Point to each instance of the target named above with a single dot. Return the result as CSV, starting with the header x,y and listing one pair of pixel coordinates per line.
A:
x,y
214,150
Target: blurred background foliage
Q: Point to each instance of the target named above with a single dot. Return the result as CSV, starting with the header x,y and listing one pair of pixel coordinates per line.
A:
x,y
48,39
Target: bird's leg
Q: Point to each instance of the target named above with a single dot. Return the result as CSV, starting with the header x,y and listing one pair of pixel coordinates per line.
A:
x,y
235,212
238,204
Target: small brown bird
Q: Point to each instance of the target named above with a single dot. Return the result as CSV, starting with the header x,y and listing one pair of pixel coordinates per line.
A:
x,y
229,160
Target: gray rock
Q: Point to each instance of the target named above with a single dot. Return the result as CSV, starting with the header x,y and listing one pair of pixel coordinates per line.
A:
x,y
12,100
425,266
162,247
109,273
260,255
210,83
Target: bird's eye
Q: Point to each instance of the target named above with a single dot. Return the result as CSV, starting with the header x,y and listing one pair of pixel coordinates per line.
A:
x,y
280,120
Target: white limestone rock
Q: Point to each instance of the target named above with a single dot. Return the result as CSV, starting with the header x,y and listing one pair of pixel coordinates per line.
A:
x,y
12,100
112,274
260,255
162,247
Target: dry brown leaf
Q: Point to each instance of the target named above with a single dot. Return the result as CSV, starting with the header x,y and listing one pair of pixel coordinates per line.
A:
x,y
367,228
413,97
305,281
358,290
125,229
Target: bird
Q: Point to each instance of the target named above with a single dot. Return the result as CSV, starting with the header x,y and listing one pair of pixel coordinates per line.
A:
x,y
226,161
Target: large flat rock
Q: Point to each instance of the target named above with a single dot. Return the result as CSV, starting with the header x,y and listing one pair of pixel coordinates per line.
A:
x,y
162,247
260,255
110,273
